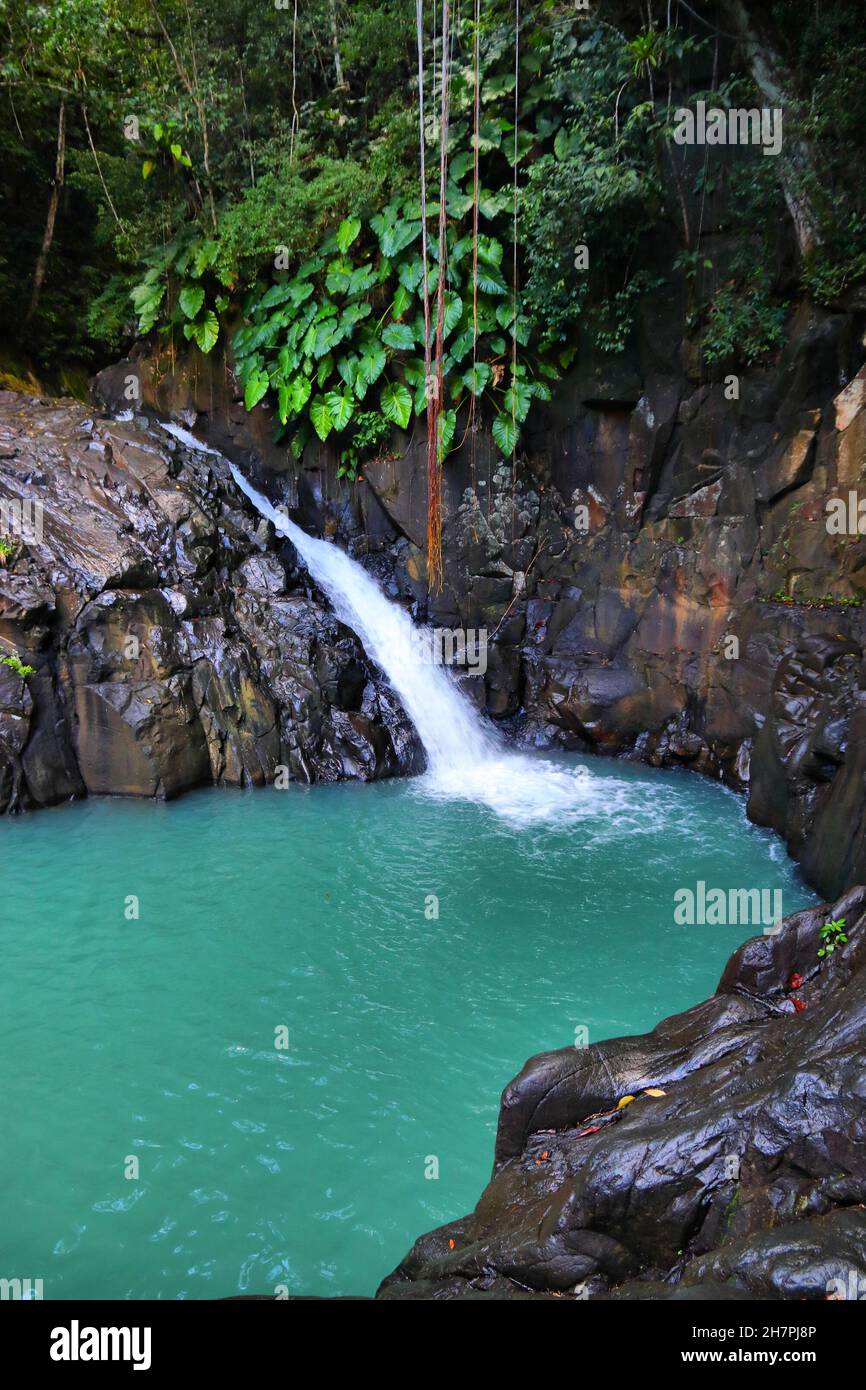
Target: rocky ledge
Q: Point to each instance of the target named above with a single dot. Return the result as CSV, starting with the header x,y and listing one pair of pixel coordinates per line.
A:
x,y
723,1155
174,640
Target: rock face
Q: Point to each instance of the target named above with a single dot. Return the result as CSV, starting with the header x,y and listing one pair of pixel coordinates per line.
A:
x,y
175,643
665,580
664,577
737,1169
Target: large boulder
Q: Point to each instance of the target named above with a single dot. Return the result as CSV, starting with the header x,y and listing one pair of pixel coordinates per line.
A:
x,y
721,1155
174,640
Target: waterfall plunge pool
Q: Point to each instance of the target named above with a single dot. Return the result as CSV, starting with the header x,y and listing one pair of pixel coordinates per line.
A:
x,y
315,910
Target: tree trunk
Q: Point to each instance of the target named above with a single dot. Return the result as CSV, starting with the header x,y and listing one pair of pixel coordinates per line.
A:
x,y
338,62
53,203
772,80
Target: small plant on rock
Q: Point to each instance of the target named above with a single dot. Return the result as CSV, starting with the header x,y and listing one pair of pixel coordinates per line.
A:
x,y
16,665
832,935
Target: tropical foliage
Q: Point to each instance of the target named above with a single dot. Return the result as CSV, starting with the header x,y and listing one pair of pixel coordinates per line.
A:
x,y
244,177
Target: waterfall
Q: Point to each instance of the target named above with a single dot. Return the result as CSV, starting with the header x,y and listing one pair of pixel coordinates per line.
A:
x,y
446,723
465,757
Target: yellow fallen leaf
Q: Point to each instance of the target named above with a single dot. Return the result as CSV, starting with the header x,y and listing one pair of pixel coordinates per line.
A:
x,y
626,1100
655,1091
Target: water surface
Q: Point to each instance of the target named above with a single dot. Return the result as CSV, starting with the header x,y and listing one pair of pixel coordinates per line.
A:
x,y
312,909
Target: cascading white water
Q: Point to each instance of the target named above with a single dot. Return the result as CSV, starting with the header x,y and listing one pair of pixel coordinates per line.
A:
x,y
446,723
464,758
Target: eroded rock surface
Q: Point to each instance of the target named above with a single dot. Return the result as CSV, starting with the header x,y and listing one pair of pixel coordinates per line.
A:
x,y
657,577
738,1169
175,642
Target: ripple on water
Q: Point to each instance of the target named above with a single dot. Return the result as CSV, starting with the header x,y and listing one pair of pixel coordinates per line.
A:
x,y
417,939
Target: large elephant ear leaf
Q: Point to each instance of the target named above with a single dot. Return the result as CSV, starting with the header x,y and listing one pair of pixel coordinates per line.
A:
x,y
191,299
372,364
396,403
204,331
453,311
347,233
399,336
301,390
518,400
505,432
478,378
446,426
255,387
341,406
320,414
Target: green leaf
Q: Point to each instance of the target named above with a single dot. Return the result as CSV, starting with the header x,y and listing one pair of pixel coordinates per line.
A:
x,y
310,268
361,280
396,403
205,257
354,313
283,403
323,421
348,369
505,432
402,301
256,386
518,399
191,299
338,281
446,426
277,294
453,311
148,167
494,87
347,232
147,298
205,332
372,364
415,371
301,389
411,273
478,378
462,345
460,250
491,204
301,292
457,203
565,144
341,407
490,250
399,336
394,234
490,279
325,333
287,360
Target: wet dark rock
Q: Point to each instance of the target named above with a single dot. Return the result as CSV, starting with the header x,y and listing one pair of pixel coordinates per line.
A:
x,y
738,1169
175,641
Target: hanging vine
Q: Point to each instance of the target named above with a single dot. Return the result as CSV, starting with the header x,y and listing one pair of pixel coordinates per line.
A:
x,y
436,382
476,156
